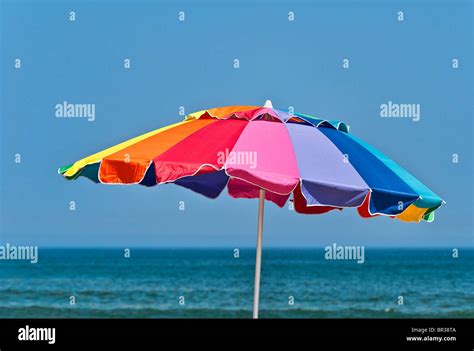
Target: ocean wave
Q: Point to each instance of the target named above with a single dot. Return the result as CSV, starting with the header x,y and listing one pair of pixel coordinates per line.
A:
x,y
37,311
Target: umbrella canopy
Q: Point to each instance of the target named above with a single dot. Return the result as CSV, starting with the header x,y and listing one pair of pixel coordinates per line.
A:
x,y
313,161
270,154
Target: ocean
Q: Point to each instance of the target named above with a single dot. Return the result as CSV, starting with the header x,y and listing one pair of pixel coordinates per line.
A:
x,y
207,283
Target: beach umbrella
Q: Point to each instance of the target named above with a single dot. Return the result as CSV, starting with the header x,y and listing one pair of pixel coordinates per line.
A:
x,y
270,154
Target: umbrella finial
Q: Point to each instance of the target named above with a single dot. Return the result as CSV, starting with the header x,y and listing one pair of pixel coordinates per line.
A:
x,y
268,104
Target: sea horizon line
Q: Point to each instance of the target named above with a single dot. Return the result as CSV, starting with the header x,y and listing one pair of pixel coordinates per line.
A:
x,y
243,247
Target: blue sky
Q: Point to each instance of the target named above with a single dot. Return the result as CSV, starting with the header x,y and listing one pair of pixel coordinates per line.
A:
x,y
294,63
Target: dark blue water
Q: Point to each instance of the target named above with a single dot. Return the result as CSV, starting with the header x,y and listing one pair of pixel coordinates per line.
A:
x,y
215,284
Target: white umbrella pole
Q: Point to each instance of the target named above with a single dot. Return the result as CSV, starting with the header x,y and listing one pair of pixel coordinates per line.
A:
x,y
258,260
